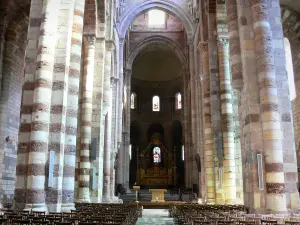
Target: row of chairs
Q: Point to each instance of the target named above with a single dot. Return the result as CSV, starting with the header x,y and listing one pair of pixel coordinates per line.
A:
x,y
195,214
85,214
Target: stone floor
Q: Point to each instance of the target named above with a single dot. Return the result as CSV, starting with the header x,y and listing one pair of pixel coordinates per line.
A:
x,y
155,217
147,220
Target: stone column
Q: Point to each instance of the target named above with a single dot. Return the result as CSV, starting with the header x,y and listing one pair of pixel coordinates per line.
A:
x,y
86,119
60,84
127,129
207,126
41,110
228,162
98,120
185,126
121,161
193,116
269,104
234,44
107,112
237,84
114,83
68,182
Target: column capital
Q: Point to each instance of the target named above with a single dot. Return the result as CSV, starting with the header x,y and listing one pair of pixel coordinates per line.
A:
x,y
110,45
203,46
128,72
114,80
261,2
121,42
90,40
223,42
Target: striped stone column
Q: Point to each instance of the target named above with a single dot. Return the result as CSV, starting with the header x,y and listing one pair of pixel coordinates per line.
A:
x,y
269,102
26,107
72,109
107,110
235,48
59,103
41,110
207,126
86,119
227,122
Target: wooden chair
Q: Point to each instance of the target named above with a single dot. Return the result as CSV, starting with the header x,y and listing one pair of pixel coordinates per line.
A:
x,y
268,222
292,222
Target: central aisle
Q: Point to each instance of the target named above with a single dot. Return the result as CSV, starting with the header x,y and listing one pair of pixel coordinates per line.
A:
x,y
155,217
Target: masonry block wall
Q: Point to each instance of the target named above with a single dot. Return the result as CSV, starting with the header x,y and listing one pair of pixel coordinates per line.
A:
x,y
13,33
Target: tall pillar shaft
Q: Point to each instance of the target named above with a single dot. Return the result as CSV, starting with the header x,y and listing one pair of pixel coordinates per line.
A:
x,y
127,128
98,121
121,155
207,126
59,101
114,103
107,112
39,138
86,119
227,122
185,127
107,159
269,103
68,182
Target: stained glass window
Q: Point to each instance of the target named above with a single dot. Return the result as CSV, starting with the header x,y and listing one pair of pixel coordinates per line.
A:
x,y
133,103
156,155
178,101
155,103
290,69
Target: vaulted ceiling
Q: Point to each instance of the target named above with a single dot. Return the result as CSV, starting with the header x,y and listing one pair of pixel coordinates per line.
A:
x,y
156,63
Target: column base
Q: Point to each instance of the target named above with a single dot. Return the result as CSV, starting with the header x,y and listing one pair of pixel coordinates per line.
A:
x,y
116,200
83,200
54,208
67,207
36,207
106,200
95,200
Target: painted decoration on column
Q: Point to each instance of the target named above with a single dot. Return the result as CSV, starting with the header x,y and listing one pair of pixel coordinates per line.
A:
x,y
156,155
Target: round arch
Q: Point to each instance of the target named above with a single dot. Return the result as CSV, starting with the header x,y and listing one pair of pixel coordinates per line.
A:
x,y
156,40
166,5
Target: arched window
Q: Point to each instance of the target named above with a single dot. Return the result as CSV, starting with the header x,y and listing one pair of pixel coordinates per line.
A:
x,y
182,152
155,103
133,101
130,151
157,18
178,104
156,155
290,69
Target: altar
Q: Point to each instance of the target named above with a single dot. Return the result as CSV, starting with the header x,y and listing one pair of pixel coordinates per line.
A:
x,y
155,167
158,195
